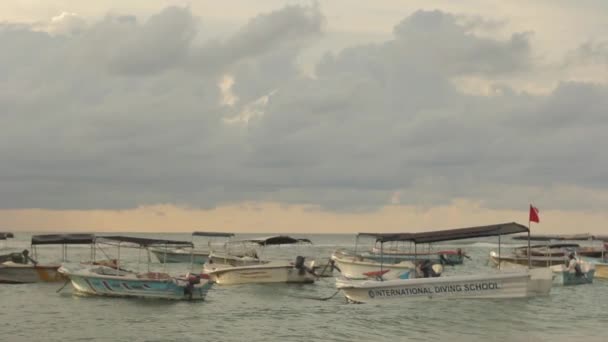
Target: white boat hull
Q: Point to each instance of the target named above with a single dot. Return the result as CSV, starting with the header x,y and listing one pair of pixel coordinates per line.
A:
x,y
257,274
12,273
129,284
506,285
353,268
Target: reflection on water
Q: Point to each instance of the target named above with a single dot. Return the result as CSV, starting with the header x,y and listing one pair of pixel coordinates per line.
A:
x,y
36,312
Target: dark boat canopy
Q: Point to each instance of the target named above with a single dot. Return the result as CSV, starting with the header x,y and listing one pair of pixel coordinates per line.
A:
x,y
63,239
144,242
451,234
275,240
212,234
6,235
601,237
549,237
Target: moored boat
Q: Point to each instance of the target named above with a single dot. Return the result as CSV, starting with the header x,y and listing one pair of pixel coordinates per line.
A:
x,y
107,281
514,284
355,266
566,277
262,271
29,270
536,261
182,255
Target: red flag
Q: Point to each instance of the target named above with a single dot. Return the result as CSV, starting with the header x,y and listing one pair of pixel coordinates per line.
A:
x,y
534,214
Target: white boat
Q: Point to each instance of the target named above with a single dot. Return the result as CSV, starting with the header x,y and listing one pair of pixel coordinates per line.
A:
x,y
262,271
355,266
118,282
515,284
28,270
188,255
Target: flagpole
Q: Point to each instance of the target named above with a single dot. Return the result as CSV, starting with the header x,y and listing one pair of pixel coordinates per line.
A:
x,y
529,251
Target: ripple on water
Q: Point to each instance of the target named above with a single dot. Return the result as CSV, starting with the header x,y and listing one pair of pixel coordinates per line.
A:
x,y
272,313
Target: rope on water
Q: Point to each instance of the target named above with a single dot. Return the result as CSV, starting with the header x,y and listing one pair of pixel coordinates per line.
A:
x,y
64,285
317,298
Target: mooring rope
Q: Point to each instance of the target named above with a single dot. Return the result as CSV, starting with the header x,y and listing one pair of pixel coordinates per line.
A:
x,y
317,298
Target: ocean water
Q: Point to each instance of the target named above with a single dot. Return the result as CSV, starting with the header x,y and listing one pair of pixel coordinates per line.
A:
x,y
36,312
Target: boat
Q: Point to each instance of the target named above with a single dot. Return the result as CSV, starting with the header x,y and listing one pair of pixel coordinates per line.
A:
x,y
512,284
187,255
601,268
102,280
394,255
28,270
254,270
535,261
560,249
356,266
565,277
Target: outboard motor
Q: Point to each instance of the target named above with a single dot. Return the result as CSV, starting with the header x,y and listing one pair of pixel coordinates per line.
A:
x,y
192,280
299,264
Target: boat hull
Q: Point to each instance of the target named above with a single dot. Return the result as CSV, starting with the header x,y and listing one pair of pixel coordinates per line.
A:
x,y
601,270
567,278
180,257
507,285
441,257
129,286
353,267
258,274
27,273
536,261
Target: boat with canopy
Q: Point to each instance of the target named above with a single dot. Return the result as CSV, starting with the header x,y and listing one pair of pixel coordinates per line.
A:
x,y
22,268
555,255
189,255
426,284
234,269
119,282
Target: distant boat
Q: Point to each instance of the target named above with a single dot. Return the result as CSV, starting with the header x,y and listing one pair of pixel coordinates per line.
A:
x,y
261,271
6,235
535,261
181,255
117,282
32,271
516,284
567,278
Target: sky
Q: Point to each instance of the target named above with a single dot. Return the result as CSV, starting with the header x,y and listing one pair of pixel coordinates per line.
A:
x,y
302,116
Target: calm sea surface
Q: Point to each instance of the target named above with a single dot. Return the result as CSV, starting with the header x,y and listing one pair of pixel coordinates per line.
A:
x,y
36,312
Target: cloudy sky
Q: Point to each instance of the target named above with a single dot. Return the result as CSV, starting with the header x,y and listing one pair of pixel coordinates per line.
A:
x,y
306,116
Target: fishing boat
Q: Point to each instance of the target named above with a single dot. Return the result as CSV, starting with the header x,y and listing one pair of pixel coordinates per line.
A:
x,y
5,236
535,261
427,285
187,255
119,282
561,249
260,271
601,267
357,266
27,269
395,255
566,277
